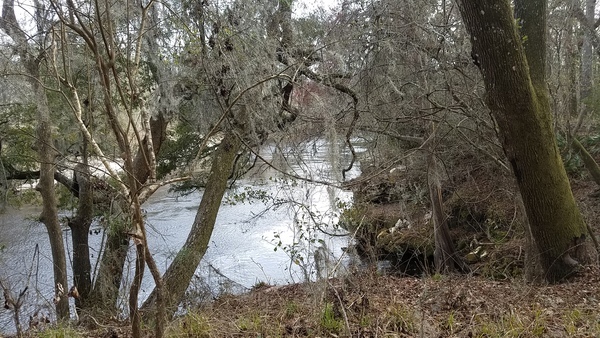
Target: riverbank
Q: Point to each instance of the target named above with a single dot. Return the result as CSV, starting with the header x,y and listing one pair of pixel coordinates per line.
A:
x,y
369,304
492,301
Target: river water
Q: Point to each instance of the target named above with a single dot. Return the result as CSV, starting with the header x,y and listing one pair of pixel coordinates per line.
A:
x,y
271,240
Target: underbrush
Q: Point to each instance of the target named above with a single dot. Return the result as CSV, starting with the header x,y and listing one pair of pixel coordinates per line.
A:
x,y
370,305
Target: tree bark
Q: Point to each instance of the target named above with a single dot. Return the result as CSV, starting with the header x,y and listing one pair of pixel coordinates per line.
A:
x,y
180,272
49,215
518,99
105,292
445,256
46,151
587,61
80,227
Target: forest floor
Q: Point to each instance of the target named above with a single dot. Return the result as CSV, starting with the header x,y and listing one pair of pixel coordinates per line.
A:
x,y
374,305
369,304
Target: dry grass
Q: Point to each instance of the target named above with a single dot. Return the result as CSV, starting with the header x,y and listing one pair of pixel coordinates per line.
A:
x,y
372,305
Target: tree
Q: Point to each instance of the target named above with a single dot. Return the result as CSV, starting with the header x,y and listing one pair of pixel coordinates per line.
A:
x,y
233,70
513,69
587,60
32,59
137,132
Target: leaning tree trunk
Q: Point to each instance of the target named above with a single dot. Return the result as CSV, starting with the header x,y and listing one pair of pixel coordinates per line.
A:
x,y
180,272
518,99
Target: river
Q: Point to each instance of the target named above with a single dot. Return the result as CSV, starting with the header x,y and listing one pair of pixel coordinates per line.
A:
x,y
243,249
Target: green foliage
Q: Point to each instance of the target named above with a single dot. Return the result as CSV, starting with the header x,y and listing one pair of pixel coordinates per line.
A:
x,y
117,225
572,321
66,200
260,285
401,319
365,321
17,136
291,308
329,320
581,322
179,149
573,163
451,322
591,143
351,216
191,325
514,325
253,323
248,195
59,332
437,277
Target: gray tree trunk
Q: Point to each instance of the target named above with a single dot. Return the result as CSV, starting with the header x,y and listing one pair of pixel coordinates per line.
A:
x,y
46,151
587,61
49,203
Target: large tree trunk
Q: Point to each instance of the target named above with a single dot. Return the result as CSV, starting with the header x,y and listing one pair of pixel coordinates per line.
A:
x,y
180,272
518,99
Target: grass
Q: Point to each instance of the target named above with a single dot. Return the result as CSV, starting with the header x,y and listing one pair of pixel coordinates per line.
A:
x,y
191,325
60,332
512,325
399,318
329,319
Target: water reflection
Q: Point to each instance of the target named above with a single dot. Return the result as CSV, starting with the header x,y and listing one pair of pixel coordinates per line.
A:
x,y
268,240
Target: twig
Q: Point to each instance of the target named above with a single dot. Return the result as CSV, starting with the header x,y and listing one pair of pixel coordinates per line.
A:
x,y
337,295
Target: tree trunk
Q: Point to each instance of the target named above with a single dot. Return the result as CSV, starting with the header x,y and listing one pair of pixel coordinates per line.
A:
x,y
518,99
49,203
180,272
587,61
80,227
46,151
445,256
105,292
112,264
